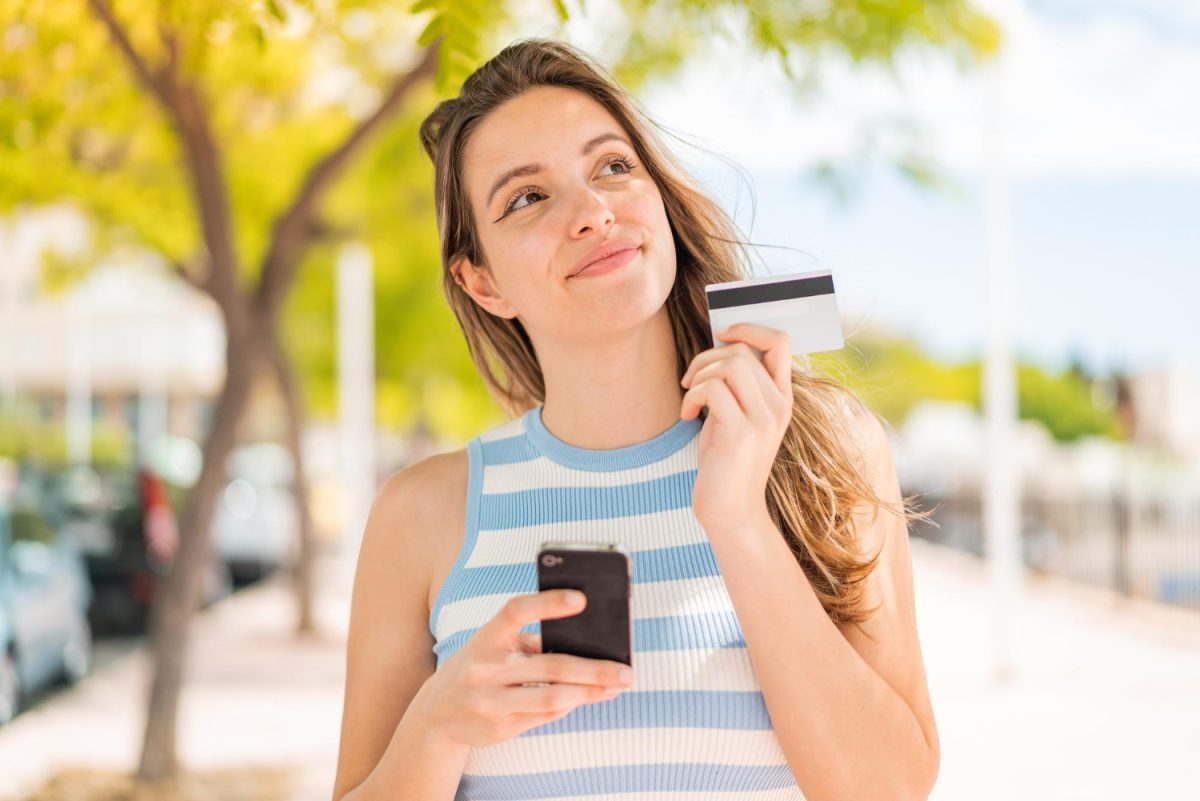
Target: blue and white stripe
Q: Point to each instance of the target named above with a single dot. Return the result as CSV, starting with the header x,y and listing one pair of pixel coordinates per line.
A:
x,y
694,724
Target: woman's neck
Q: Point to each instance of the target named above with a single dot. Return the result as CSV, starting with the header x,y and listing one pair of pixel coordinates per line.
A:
x,y
615,393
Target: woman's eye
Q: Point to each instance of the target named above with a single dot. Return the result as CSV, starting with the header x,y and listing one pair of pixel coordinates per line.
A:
x,y
525,191
625,163
512,206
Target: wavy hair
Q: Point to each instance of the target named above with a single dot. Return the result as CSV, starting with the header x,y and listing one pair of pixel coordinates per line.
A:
x,y
815,483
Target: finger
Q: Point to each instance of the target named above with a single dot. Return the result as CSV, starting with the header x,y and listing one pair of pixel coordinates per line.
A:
x,y
699,362
775,345
749,383
707,357
714,394
553,699
521,610
584,694
777,403
546,669
530,643
524,722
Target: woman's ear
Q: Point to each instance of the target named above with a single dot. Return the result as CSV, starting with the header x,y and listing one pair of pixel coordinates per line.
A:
x,y
479,285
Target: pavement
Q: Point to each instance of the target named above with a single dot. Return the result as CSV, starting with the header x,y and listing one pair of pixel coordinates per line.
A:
x,y
254,695
1103,701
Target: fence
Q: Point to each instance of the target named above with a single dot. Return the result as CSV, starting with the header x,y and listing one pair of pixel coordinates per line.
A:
x,y
1146,547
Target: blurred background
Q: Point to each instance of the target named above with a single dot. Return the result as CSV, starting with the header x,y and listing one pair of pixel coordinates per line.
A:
x,y
222,327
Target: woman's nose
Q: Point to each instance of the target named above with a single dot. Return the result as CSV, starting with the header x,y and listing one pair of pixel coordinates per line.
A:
x,y
592,213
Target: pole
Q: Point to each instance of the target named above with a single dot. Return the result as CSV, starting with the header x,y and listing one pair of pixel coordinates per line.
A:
x,y
153,385
356,389
79,376
1001,497
10,330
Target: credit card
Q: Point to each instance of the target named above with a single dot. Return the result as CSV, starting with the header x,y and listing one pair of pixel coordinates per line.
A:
x,y
802,304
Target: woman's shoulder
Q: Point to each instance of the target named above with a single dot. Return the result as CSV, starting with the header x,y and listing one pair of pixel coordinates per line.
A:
x,y
421,484
439,480
421,511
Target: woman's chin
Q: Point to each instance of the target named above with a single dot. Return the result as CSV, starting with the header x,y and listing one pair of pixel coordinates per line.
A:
x,y
623,310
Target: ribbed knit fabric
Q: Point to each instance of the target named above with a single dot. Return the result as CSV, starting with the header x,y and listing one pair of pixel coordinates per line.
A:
x,y
694,724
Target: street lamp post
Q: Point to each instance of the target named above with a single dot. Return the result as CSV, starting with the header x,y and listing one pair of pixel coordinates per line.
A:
x,y
1001,497
79,376
356,388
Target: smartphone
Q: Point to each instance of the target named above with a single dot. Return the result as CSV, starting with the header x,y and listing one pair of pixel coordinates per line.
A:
x,y
602,572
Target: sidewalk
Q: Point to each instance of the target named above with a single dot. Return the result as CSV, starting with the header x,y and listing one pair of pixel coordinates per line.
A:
x,y
253,695
1105,702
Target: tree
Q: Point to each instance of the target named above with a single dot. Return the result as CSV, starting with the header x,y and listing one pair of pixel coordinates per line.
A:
x,y
199,129
892,374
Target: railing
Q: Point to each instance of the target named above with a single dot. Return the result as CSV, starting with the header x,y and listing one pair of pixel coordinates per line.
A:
x,y
1141,547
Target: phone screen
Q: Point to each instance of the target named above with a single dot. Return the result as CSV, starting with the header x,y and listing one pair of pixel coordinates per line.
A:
x,y
602,573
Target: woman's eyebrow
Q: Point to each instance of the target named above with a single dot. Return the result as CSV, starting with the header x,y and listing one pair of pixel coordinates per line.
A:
x,y
533,169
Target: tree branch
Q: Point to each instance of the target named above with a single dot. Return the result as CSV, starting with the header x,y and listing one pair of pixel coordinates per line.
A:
x,y
186,111
288,231
156,83
171,42
186,271
207,173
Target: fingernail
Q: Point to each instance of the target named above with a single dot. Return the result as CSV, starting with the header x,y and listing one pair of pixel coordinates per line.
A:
x,y
575,599
626,674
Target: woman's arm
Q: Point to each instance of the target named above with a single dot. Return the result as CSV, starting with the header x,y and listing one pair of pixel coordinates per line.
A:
x,y
387,750
852,714
415,765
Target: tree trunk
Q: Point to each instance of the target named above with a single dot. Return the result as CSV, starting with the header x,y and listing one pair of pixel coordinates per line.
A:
x,y
180,591
305,555
250,331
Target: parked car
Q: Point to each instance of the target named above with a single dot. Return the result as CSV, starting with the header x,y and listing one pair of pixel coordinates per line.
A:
x,y
45,635
124,522
255,528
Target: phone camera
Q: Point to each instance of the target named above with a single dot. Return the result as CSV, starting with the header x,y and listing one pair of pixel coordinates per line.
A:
x,y
550,560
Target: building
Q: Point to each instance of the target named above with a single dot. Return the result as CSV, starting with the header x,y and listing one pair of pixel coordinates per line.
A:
x,y
1164,409
139,347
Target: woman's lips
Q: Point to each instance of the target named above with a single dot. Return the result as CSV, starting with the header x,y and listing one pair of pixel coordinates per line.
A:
x,y
607,265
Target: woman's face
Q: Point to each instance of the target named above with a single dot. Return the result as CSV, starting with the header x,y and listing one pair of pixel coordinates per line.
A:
x,y
583,185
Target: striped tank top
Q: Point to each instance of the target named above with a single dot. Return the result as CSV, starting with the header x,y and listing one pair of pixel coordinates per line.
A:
x,y
694,724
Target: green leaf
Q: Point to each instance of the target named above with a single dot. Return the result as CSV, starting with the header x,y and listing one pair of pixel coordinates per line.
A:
x,y
431,32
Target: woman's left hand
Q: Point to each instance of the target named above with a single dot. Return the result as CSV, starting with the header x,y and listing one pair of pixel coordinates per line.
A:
x,y
749,408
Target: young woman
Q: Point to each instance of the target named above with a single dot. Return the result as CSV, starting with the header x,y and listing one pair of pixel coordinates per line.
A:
x,y
775,644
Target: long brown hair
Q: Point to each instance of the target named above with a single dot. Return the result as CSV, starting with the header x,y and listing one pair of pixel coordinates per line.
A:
x,y
815,482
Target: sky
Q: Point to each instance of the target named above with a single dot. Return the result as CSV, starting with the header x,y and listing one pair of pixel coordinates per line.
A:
x,y
1098,103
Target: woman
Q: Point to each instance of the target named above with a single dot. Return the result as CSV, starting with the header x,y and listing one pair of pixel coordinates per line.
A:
x,y
775,644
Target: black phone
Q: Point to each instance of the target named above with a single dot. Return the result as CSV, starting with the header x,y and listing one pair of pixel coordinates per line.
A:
x,y
602,572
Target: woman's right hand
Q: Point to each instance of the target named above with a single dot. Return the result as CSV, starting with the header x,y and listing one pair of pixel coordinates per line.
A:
x,y
478,696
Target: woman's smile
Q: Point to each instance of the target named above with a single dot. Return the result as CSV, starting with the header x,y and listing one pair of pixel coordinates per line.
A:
x,y
608,265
